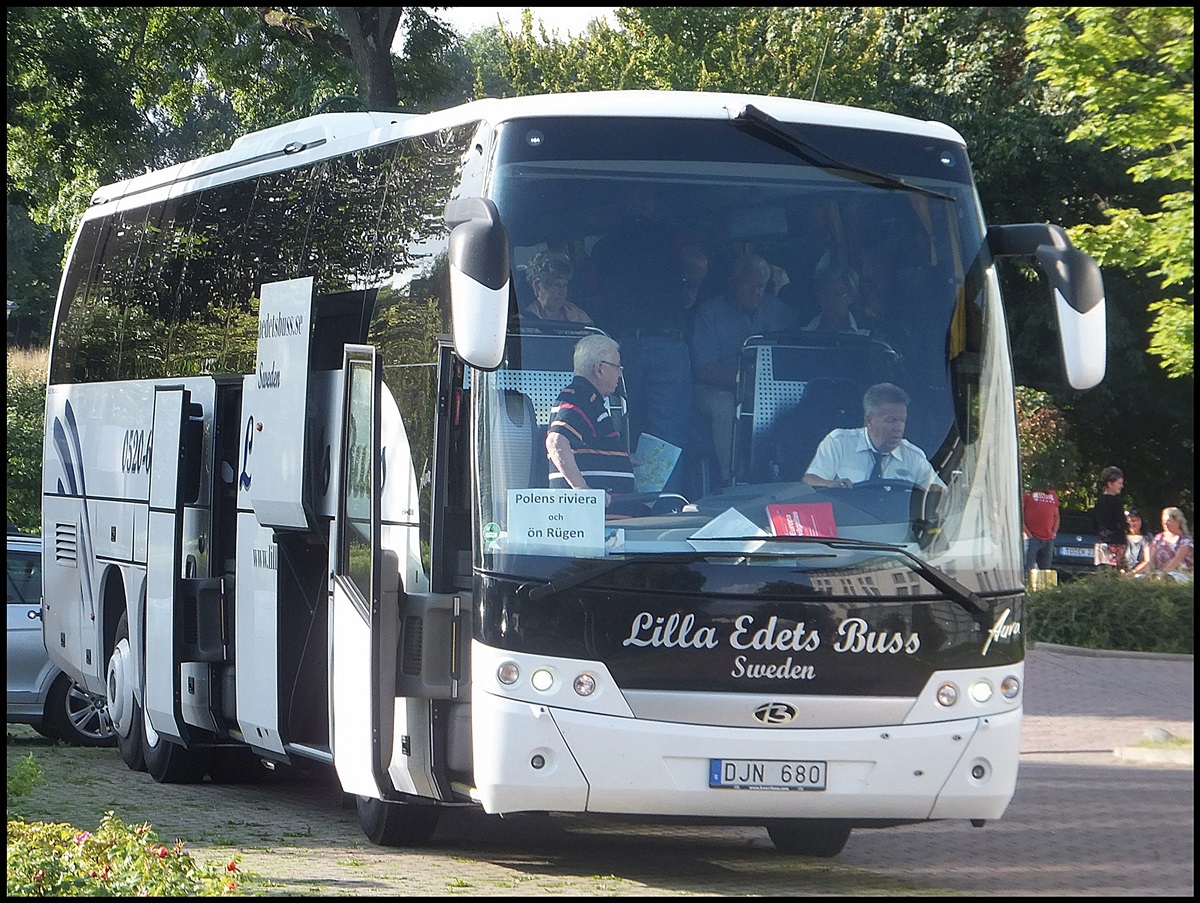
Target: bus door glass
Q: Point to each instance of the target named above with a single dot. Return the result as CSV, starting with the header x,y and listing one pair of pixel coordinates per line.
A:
x,y
362,662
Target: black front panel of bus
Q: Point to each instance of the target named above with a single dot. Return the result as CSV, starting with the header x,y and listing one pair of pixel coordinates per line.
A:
x,y
673,639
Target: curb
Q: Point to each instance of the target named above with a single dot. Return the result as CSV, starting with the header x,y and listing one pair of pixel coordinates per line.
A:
x,y
1111,653
1156,756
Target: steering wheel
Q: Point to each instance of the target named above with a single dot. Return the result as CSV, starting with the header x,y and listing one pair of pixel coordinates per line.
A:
x,y
888,485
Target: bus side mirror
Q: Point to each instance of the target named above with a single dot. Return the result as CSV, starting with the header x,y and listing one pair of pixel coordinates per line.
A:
x,y
479,281
1078,294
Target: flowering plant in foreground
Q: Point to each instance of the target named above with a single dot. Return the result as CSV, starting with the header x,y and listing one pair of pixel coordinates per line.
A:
x,y
57,859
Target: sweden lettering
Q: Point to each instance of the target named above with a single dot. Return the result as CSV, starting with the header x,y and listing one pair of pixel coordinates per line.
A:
x,y
854,636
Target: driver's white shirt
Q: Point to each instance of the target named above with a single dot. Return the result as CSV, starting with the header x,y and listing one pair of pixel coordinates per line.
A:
x,y
848,455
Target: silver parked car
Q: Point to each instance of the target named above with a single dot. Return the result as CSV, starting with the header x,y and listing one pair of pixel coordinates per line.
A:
x,y
39,694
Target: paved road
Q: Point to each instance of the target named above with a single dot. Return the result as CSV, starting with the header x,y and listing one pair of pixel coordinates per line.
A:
x,y
1076,701
1082,822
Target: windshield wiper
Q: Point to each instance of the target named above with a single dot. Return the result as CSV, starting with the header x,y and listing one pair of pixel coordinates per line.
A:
x,y
753,116
569,581
939,579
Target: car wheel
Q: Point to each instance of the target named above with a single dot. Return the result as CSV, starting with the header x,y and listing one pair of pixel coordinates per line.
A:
x,y
123,708
45,730
77,716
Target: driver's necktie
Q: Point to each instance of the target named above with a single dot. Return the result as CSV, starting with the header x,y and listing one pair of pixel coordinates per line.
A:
x,y
877,473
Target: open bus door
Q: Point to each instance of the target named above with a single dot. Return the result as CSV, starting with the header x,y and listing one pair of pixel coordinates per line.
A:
x,y
174,592
365,625
163,563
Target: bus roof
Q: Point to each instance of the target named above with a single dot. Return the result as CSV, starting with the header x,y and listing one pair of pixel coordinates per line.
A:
x,y
318,136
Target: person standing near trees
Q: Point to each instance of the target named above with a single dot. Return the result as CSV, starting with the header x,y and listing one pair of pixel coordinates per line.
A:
x,y
1109,517
1039,525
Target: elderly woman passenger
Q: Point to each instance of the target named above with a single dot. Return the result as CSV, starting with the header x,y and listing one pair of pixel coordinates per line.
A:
x,y
549,272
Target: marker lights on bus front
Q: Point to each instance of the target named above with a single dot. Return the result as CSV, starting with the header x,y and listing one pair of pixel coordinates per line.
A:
x,y
947,694
544,679
1010,687
585,684
980,691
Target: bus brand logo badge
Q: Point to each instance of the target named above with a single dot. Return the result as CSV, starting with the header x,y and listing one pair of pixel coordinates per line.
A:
x,y
775,713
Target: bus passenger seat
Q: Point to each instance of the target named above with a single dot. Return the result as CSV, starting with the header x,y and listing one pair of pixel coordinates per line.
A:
x,y
519,452
827,404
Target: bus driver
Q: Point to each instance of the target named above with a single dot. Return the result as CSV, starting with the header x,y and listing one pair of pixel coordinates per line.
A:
x,y
877,450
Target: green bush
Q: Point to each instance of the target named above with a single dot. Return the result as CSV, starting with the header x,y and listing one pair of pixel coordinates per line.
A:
x,y
25,775
115,860
52,860
26,401
1108,610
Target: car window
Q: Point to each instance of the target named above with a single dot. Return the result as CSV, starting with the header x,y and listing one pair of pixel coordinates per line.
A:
x,y
24,578
1076,522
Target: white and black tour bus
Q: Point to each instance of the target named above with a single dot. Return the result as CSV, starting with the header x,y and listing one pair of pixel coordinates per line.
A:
x,y
295,497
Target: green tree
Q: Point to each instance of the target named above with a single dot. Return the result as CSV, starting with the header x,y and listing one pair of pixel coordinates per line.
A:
x,y
1130,70
98,94
1049,458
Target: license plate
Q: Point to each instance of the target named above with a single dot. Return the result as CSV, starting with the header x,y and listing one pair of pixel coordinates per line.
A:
x,y
766,774
1068,552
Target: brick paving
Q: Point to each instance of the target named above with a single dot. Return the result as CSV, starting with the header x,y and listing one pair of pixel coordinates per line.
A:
x,y
1076,826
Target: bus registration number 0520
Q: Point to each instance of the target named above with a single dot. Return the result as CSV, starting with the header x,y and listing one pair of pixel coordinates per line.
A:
x,y
766,774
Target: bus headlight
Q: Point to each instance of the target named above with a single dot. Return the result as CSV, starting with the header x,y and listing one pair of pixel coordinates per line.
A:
x,y
947,694
981,690
1010,687
508,673
542,679
585,684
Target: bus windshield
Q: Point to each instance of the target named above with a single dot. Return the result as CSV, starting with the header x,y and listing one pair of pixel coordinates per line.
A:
x,y
810,346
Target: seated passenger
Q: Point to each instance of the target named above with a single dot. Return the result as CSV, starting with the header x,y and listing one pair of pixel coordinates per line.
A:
x,y
586,450
721,325
836,290
875,451
549,272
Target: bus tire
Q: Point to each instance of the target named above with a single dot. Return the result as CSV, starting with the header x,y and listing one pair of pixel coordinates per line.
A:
x,y
809,836
123,707
396,824
170,763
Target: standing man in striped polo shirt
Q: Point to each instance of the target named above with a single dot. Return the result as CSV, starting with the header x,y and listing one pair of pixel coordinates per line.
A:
x,y
585,449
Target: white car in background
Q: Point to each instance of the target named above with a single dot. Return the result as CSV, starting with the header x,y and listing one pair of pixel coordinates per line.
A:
x,y
39,694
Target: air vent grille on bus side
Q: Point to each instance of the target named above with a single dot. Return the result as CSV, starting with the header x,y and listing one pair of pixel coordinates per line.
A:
x,y
411,654
66,545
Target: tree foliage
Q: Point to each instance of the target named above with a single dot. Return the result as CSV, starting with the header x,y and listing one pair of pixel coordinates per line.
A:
x,y
1049,457
1092,131
1130,70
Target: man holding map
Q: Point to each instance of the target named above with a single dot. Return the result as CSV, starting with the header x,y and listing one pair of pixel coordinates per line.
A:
x,y
585,448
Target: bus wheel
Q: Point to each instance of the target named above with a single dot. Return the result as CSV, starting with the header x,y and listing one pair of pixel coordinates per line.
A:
x,y
809,837
396,824
169,762
123,707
